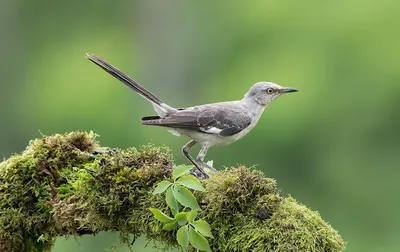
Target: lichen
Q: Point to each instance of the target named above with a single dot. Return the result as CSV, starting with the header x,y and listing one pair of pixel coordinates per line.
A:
x,y
57,187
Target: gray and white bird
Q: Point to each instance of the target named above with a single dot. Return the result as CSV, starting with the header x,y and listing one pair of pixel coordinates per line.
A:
x,y
209,124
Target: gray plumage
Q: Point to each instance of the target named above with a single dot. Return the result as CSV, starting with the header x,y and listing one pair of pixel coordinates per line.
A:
x,y
210,124
228,120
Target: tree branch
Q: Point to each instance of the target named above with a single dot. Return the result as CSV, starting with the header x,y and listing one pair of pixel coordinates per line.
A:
x,y
57,187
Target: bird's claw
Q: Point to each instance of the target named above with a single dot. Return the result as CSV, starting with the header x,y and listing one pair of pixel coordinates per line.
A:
x,y
203,171
197,173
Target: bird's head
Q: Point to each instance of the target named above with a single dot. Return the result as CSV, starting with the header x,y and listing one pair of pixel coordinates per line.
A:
x,y
265,92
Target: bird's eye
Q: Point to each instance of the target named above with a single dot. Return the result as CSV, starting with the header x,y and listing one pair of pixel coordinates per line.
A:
x,y
270,90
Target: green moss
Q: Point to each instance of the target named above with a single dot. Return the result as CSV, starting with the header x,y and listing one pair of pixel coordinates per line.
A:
x,y
57,187
235,190
292,227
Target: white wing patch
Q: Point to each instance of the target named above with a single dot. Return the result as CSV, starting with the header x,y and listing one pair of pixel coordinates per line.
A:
x,y
211,130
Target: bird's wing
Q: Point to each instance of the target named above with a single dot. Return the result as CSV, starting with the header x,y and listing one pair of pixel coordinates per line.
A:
x,y
224,119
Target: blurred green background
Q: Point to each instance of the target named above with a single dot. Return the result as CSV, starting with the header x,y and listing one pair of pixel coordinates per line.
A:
x,y
334,145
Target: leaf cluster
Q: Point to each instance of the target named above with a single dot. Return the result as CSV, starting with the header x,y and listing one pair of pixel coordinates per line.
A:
x,y
179,198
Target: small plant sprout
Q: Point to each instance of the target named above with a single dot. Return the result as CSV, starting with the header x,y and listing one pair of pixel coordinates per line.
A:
x,y
179,198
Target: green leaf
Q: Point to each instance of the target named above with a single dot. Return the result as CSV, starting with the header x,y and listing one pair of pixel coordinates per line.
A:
x,y
185,197
192,215
171,201
191,182
202,227
198,241
170,226
182,237
181,170
181,218
160,215
161,187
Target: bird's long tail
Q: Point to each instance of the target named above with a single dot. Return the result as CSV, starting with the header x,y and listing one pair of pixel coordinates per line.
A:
x,y
159,106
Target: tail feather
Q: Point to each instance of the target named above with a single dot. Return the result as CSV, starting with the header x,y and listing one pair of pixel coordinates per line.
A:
x,y
160,107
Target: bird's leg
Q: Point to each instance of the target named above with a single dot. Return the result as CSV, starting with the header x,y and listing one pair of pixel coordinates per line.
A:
x,y
185,151
201,156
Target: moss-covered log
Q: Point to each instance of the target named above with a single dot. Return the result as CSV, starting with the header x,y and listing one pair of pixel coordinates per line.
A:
x,y
49,191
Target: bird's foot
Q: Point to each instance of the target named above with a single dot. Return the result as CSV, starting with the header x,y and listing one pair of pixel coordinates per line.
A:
x,y
199,172
203,170
196,172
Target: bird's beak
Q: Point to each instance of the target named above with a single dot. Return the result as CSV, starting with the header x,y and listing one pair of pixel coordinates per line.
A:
x,y
288,90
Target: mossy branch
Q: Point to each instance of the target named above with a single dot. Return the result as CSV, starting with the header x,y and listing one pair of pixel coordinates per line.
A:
x,y
48,191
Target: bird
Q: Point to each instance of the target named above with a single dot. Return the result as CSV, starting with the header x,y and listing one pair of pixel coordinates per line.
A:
x,y
209,125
